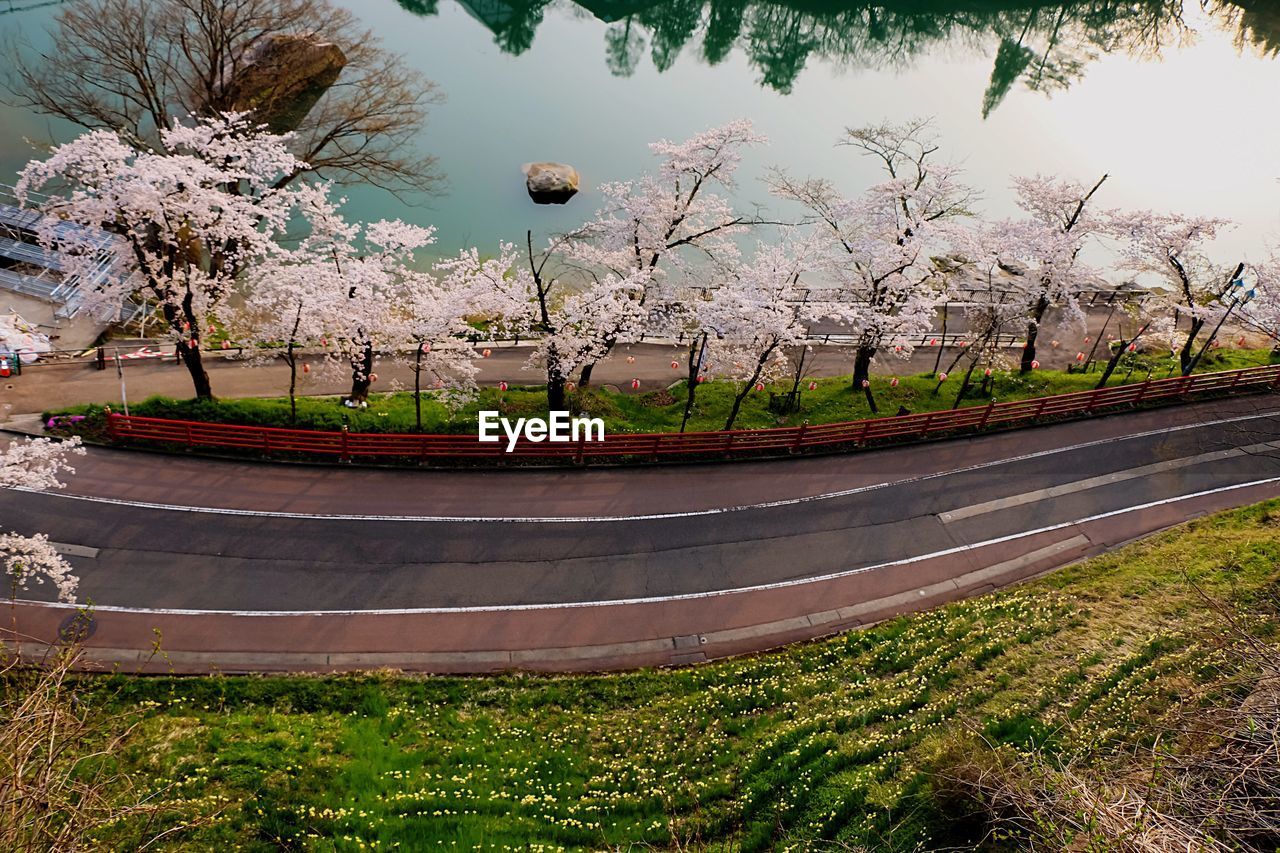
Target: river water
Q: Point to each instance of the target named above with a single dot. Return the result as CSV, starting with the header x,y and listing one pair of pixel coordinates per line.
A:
x,y
1175,100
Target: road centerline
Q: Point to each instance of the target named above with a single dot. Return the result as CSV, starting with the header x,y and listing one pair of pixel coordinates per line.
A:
x,y
1111,478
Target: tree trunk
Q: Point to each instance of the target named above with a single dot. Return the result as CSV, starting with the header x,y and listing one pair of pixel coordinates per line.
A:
x,y
555,392
696,349
189,351
293,384
964,386
1187,354
1033,332
361,371
746,388
942,342
862,373
1114,361
290,357
417,388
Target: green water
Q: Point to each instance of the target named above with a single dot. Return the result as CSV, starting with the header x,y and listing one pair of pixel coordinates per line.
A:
x,y
1176,101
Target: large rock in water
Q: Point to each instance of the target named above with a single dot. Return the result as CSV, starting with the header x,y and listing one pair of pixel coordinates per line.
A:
x,y
550,183
282,79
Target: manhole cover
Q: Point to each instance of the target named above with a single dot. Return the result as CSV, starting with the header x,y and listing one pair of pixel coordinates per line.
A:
x,y
77,628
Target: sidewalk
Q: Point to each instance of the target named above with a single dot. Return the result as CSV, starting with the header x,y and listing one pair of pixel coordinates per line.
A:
x,y
51,385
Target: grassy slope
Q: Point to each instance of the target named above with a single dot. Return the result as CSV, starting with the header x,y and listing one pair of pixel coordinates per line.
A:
x,y
831,740
831,402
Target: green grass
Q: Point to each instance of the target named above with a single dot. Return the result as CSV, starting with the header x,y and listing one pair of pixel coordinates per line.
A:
x,y
656,411
834,741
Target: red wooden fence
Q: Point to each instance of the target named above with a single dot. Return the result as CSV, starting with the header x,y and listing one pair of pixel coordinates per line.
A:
x,y
653,446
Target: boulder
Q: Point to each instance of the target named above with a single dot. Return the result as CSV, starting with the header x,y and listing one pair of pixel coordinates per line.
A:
x,y
550,183
281,80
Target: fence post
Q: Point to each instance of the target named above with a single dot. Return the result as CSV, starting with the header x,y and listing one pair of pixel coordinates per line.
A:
x,y
986,415
346,456
1236,381
190,443
111,423
653,453
1093,399
1143,392
580,456
1044,401
862,438
924,427
799,442
728,443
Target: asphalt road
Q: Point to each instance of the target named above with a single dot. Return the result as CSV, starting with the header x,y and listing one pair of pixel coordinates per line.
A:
x,y
243,566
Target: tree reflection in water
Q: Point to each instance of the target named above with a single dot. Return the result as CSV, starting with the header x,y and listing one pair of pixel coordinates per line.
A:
x,y
1045,46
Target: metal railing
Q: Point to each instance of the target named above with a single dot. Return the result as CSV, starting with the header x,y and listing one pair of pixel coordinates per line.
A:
x,y
752,443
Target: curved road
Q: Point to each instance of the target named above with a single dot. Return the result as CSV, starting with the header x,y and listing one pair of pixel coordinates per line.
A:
x,y
275,567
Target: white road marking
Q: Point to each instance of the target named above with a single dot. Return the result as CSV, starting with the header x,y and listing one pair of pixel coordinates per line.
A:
x,y
657,516
1102,480
74,550
658,599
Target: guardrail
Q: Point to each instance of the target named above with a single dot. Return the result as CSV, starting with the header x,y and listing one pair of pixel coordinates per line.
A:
x,y
692,445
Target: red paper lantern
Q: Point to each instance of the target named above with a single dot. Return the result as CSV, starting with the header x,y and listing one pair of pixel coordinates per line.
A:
x,y
1055,344
373,377
893,383
631,359
1035,365
569,386
486,353
933,342
502,386
866,383
226,344
635,383
1133,347
1079,356
702,379
759,386
426,347
813,386
987,372
675,365
306,368
942,377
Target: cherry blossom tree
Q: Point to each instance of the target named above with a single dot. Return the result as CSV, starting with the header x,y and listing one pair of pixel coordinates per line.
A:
x,y
878,248
191,216
1175,250
36,464
287,300
1059,223
992,297
431,316
754,317
1263,313
647,229
571,326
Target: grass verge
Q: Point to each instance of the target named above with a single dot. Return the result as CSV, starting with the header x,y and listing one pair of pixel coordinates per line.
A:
x,y
831,401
